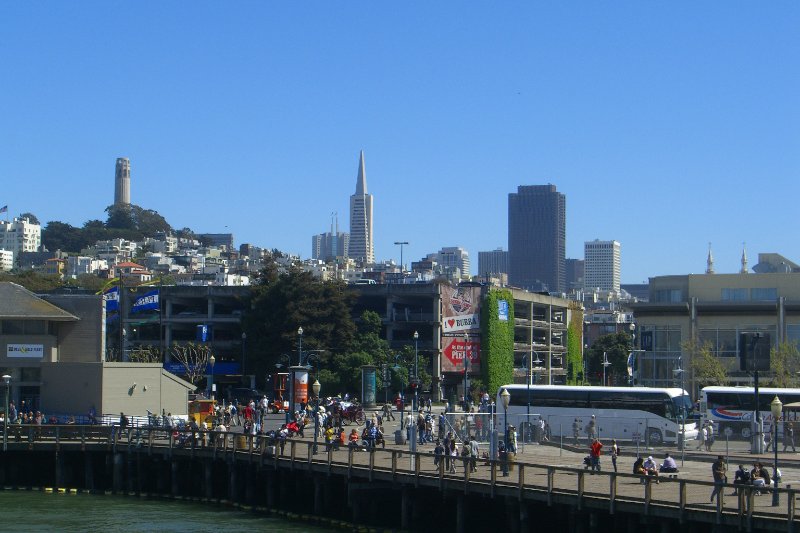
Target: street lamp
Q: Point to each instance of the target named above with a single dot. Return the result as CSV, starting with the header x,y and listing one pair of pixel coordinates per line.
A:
x,y
7,381
244,351
776,407
416,370
466,369
211,361
606,364
682,416
413,424
300,346
316,387
401,244
505,397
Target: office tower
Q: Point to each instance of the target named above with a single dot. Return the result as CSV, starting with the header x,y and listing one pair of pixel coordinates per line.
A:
x,y
573,279
493,263
451,258
537,238
360,246
329,246
601,265
122,181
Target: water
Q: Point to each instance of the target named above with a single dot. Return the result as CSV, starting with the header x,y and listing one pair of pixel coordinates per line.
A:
x,y
39,511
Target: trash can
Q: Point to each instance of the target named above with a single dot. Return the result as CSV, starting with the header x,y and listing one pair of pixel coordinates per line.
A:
x,y
399,437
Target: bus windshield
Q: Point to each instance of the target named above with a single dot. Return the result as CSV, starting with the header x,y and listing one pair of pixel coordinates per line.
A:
x,y
681,407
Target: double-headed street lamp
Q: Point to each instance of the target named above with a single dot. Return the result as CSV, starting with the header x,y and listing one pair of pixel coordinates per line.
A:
x,y
316,387
606,364
6,421
776,407
505,397
211,361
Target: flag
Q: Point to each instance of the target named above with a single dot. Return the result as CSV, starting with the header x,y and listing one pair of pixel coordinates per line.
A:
x,y
4,209
111,297
631,361
146,302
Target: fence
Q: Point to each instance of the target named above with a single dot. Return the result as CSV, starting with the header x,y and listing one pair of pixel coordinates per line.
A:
x,y
476,474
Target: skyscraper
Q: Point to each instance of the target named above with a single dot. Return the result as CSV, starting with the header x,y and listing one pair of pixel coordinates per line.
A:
x,y
360,245
601,265
122,181
331,245
537,238
493,263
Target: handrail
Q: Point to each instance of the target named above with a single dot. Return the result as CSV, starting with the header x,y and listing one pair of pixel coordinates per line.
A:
x,y
421,468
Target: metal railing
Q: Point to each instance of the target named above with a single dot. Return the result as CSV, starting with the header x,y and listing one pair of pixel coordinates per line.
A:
x,y
529,480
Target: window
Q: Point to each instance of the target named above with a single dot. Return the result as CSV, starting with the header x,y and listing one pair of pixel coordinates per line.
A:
x,y
734,295
764,294
668,296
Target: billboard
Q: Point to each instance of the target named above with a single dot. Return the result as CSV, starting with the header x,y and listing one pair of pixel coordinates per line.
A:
x,y
300,389
453,351
460,309
25,350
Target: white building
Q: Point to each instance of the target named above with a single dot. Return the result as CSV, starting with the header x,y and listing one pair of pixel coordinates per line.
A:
x,y
20,235
451,258
6,260
601,265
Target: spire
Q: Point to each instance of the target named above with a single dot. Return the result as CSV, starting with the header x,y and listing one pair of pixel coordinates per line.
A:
x,y
709,261
744,259
361,180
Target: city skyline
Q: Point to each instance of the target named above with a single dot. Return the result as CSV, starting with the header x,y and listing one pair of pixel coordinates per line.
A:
x,y
656,122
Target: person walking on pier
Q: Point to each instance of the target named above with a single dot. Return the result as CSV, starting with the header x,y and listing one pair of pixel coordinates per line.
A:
x,y
718,472
614,453
387,412
591,430
788,436
576,431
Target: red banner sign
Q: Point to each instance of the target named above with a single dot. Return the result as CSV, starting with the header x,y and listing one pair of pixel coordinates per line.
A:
x,y
454,349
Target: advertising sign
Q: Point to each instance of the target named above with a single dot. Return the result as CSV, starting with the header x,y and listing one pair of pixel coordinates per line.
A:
x,y
454,349
460,309
368,385
25,350
300,388
502,310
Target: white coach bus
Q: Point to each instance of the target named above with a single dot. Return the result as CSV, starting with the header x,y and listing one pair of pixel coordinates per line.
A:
x,y
647,415
733,407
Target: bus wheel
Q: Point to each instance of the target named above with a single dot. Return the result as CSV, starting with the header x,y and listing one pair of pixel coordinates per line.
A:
x,y
655,438
746,433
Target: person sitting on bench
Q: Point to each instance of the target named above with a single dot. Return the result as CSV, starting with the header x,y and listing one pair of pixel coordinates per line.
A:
x,y
669,466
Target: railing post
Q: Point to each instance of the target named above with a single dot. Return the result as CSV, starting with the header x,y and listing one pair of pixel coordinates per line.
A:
x,y
720,503
394,465
612,492
682,500
581,481
648,494
416,470
441,473
466,474
58,438
293,452
83,438
330,459
521,479
551,474
493,476
310,454
790,507
350,450
371,463
750,505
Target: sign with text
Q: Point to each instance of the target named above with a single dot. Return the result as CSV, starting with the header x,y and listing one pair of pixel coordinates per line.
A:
x,y
502,310
454,349
25,350
460,309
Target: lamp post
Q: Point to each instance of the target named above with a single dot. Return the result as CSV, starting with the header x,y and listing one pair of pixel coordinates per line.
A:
x,y
776,407
300,346
505,397
316,387
413,424
211,361
466,370
416,370
7,381
682,416
401,244
244,351
606,363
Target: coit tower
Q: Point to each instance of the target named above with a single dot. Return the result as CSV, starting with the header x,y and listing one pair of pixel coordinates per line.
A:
x,y
122,181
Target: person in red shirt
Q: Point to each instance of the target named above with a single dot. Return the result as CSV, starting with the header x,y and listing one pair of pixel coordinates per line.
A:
x,y
594,452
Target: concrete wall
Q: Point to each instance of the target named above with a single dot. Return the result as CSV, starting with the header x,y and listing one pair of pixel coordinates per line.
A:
x,y
72,388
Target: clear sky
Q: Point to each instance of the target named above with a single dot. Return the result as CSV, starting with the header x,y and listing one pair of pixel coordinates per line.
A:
x,y
666,124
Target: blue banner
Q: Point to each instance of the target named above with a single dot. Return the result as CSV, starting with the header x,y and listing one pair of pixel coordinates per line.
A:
x,y
147,302
111,297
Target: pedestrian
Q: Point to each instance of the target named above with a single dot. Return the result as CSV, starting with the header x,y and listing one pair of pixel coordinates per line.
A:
x,y
576,430
614,453
475,452
591,430
710,436
702,435
387,412
788,436
594,452
718,473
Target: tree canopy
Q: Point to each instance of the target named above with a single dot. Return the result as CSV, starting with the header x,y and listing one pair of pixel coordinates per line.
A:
x,y
617,347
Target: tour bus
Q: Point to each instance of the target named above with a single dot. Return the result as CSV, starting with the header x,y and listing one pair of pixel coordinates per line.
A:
x,y
733,407
638,414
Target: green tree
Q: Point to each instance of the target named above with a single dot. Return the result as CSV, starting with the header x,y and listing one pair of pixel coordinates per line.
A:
x,y
617,347
706,368
62,236
31,217
33,281
785,362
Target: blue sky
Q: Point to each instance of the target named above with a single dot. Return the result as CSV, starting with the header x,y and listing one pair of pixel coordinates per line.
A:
x,y
667,125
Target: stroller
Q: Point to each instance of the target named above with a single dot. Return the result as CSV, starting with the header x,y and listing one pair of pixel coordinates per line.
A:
x,y
587,462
